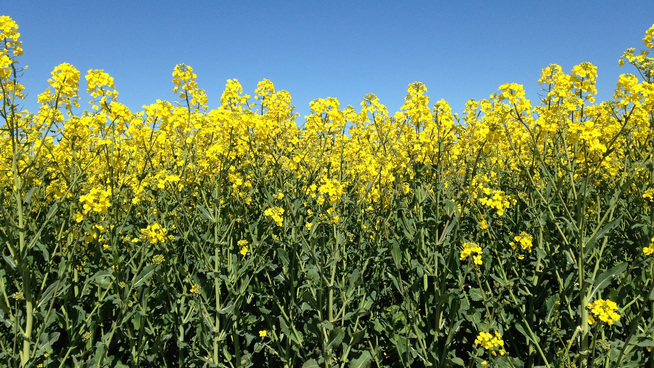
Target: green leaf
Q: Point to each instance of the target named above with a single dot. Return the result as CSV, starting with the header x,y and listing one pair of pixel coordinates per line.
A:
x,y
282,254
100,350
309,299
227,309
475,294
287,330
312,274
355,278
49,293
44,250
455,360
46,341
402,346
28,196
311,363
206,214
145,275
357,336
10,261
101,278
51,211
518,326
645,344
396,252
363,361
599,234
335,338
606,277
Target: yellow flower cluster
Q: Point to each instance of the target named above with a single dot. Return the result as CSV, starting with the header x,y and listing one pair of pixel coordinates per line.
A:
x,y
12,48
332,190
184,79
276,214
471,249
244,246
65,82
279,196
604,310
489,197
100,85
649,250
523,242
96,200
491,342
154,234
495,199
158,259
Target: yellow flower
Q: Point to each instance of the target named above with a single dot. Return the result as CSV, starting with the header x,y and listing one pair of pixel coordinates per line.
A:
x,y
158,259
195,289
471,249
604,310
276,214
523,242
96,200
154,233
483,224
491,342
263,333
279,195
649,250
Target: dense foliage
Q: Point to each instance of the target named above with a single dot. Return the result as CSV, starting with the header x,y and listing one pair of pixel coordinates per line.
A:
x,y
510,235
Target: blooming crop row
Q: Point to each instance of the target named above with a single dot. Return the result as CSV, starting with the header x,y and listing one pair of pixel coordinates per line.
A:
x,y
511,234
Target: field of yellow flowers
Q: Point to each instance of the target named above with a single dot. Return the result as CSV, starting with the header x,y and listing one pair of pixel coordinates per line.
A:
x,y
511,235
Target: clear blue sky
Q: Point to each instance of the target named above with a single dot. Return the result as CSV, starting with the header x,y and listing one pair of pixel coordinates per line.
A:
x,y
316,49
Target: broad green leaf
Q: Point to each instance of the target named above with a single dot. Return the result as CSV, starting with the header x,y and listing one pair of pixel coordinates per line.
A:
x,y
646,344
43,249
49,293
475,294
227,309
599,234
518,326
28,196
606,277
282,254
397,254
10,261
357,336
206,214
455,360
46,340
335,338
355,278
311,363
145,275
363,361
